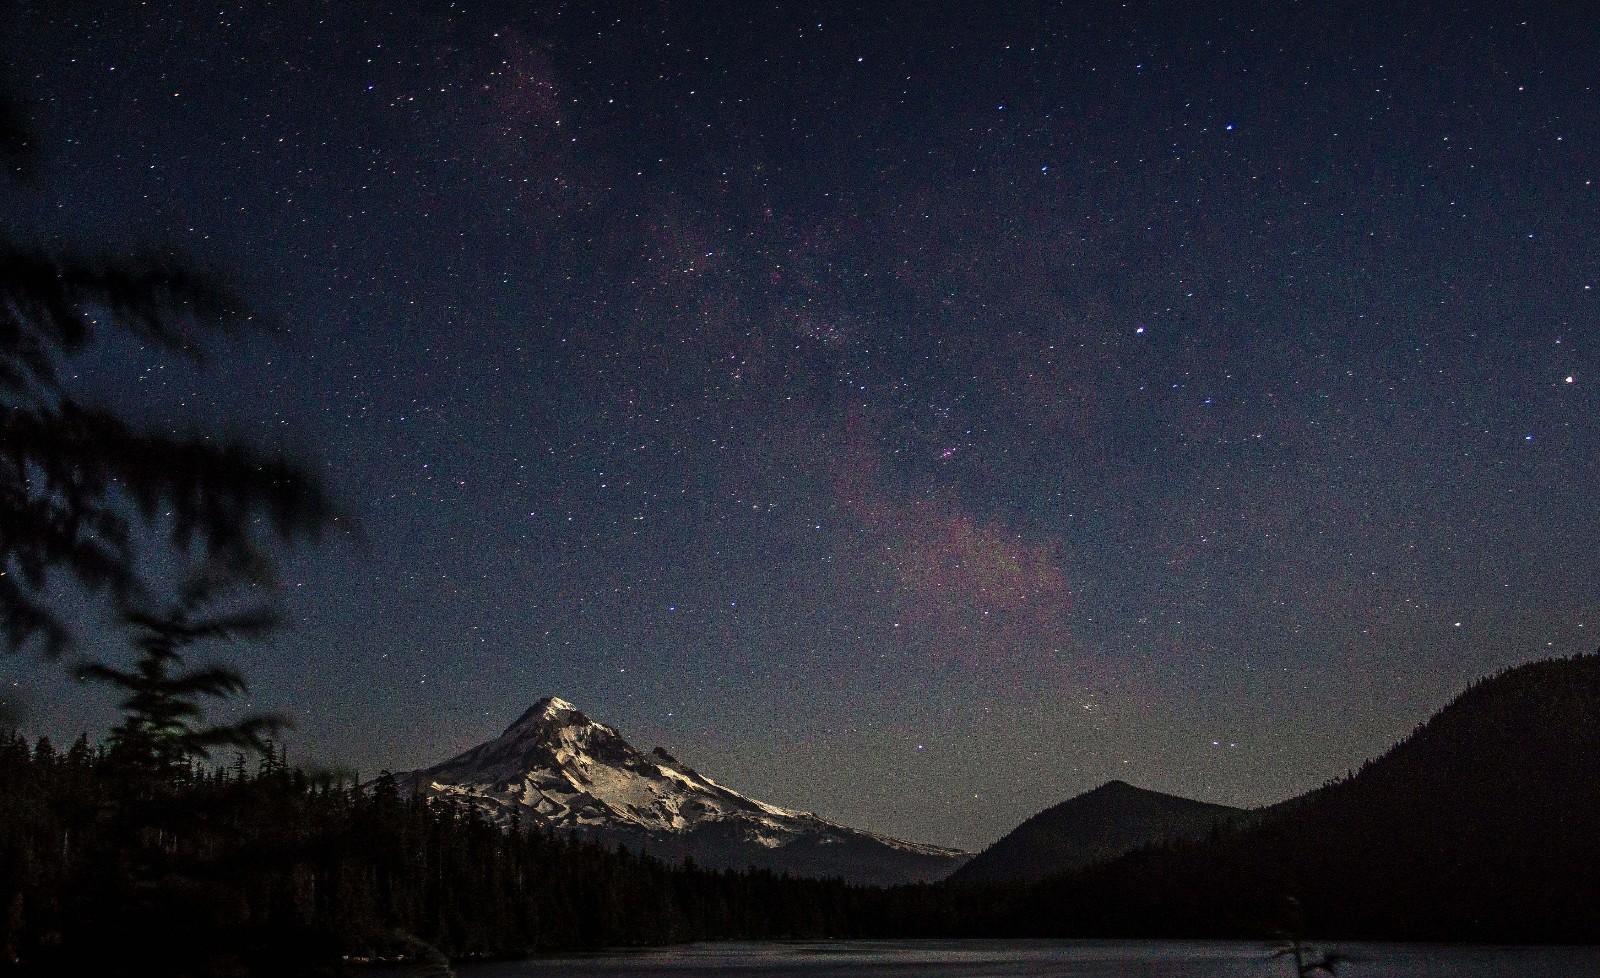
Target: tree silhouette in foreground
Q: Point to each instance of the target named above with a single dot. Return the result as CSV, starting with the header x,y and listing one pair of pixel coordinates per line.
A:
x,y
78,481
163,730
151,855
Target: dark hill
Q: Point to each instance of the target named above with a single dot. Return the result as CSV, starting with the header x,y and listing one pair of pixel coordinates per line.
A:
x,y
1483,824
1109,821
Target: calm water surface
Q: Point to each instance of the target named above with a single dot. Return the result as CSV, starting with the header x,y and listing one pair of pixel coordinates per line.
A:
x,y
1080,959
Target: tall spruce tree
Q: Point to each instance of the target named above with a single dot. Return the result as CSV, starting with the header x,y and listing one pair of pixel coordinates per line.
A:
x,y
163,728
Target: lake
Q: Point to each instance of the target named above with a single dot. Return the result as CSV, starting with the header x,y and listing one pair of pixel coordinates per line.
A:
x,y
1041,959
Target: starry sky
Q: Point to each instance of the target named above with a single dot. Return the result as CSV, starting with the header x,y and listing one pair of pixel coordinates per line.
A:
x,y
914,412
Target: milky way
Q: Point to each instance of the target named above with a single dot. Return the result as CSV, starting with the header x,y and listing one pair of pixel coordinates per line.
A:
x,y
918,413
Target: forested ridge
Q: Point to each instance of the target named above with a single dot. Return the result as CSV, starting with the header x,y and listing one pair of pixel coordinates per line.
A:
x,y
265,869
1480,826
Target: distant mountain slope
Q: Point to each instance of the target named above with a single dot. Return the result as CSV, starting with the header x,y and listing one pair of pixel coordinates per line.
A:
x,y
1484,824
1109,821
556,768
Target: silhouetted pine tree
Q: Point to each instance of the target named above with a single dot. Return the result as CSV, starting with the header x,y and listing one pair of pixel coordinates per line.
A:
x,y
162,728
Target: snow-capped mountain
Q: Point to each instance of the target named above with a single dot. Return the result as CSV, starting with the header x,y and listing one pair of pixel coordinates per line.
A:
x,y
556,768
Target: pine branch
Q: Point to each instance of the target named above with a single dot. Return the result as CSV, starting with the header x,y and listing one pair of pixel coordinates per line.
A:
x,y
72,479
52,301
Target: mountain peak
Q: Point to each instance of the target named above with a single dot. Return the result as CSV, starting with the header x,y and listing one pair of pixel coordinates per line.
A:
x,y
1116,788
561,770
1100,824
549,711
552,705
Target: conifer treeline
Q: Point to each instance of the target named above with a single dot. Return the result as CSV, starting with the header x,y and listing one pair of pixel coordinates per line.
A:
x,y
264,869
1483,825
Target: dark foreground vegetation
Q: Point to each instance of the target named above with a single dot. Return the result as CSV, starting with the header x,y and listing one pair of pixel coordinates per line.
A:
x,y
1482,826
267,870
152,853
142,854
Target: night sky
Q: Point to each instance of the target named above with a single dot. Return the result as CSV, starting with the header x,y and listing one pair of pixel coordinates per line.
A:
x,y
918,413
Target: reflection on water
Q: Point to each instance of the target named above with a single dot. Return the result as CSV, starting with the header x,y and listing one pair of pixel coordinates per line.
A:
x,y
1041,959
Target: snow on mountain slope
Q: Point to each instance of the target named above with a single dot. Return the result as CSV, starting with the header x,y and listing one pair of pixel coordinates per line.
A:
x,y
556,768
